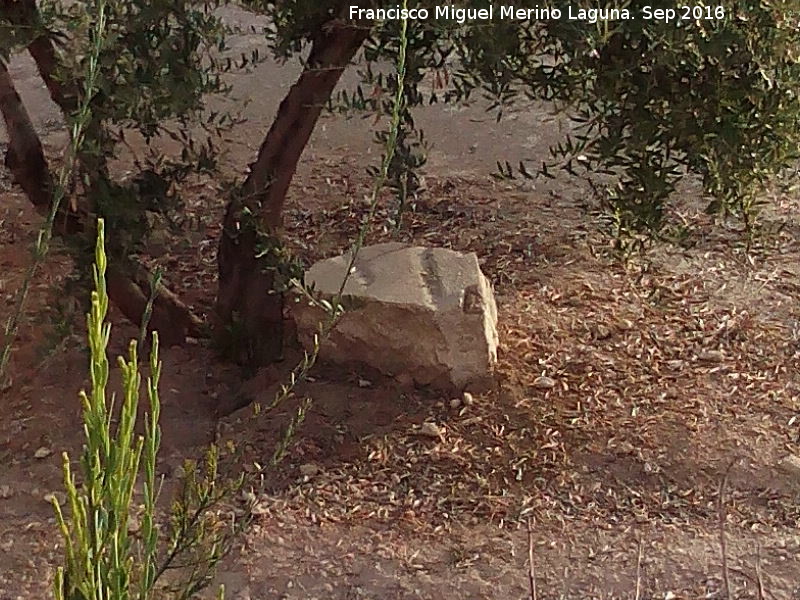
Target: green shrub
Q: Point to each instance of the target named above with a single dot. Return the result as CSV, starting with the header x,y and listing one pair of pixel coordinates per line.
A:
x,y
103,560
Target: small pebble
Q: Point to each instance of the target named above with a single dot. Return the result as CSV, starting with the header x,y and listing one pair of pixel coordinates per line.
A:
x,y
430,430
43,452
309,469
602,332
455,402
711,356
61,497
544,383
134,525
791,465
468,399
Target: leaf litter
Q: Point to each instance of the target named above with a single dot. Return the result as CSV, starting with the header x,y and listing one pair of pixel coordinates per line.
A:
x,y
624,388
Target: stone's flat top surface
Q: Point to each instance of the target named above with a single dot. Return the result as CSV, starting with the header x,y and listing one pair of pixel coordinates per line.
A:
x,y
397,273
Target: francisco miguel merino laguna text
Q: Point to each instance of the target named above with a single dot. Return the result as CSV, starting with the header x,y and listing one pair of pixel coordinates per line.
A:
x,y
462,15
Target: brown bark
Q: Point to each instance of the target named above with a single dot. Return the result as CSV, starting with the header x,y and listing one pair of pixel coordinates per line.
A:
x,y
24,157
42,48
245,301
271,174
127,289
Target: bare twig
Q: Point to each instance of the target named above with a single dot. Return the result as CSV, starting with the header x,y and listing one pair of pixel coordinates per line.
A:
x,y
531,565
723,546
639,572
759,578
746,574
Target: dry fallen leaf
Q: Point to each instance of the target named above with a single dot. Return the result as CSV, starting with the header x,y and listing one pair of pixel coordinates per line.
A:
x,y
544,383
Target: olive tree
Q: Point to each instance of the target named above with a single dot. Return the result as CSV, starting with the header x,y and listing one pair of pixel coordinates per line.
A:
x,y
154,68
712,93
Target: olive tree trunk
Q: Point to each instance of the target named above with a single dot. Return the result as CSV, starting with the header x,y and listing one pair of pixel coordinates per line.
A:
x,y
249,309
42,48
24,156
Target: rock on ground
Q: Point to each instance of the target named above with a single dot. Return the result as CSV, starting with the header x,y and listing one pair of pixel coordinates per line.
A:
x,y
427,313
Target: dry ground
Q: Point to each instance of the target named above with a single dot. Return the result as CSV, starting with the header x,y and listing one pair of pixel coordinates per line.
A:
x,y
625,392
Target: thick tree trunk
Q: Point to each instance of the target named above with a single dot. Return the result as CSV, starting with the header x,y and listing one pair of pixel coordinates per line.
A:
x,y
247,305
128,289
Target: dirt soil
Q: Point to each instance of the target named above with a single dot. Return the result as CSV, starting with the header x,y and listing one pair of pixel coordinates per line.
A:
x,y
626,391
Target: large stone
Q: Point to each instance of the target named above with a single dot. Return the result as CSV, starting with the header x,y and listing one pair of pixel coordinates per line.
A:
x,y
424,313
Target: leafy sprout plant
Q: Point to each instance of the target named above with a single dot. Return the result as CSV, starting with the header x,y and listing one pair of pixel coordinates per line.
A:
x,y
103,558
106,555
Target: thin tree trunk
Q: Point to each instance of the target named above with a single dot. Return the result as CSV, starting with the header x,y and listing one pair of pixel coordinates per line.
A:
x,y
42,48
247,303
271,174
25,13
128,288
24,157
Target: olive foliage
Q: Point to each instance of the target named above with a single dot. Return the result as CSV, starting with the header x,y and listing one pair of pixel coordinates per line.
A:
x,y
711,93
157,63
